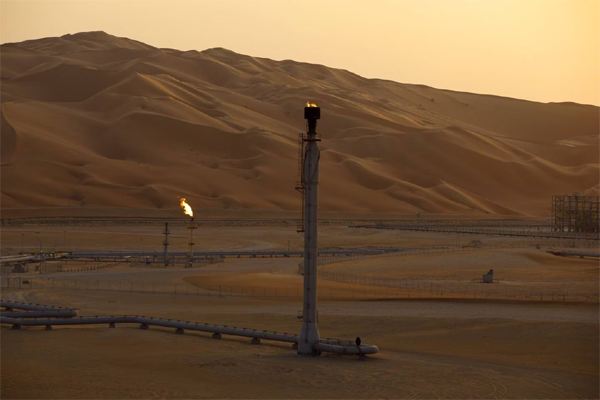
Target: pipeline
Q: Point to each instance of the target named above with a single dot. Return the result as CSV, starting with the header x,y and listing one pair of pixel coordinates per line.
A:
x,y
39,314
352,350
30,306
325,345
35,310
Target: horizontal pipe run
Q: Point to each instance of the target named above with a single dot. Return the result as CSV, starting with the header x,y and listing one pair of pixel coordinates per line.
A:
x,y
363,349
326,345
322,252
30,306
253,333
40,314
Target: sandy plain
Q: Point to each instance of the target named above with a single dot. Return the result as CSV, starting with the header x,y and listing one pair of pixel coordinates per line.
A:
x,y
450,348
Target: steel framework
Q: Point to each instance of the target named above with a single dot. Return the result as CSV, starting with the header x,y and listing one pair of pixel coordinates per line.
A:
x,y
575,213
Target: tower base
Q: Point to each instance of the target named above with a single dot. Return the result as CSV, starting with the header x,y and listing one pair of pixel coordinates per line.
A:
x,y
307,350
309,337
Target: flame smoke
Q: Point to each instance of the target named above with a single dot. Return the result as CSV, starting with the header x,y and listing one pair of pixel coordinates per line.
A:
x,y
309,104
187,210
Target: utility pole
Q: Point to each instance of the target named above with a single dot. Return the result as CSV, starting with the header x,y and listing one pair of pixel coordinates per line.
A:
x,y
166,244
191,227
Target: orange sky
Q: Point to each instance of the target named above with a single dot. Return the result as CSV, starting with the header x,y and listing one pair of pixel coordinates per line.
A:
x,y
547,50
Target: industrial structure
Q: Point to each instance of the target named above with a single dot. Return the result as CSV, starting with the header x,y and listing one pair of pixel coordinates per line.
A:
x,y
307,343
49,316
575,213
191,226
309,335
493,228
187,210
166,244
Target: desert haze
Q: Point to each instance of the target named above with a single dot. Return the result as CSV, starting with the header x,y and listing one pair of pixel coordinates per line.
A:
x,y
99,121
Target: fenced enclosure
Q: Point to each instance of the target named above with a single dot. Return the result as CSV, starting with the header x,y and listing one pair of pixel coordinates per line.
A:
x,y
92,264
507,228
372,288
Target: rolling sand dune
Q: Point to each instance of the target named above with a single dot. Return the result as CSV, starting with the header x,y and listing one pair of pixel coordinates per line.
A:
x,y
98,121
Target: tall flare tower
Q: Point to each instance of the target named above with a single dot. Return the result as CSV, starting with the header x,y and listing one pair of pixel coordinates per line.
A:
x,y
309,335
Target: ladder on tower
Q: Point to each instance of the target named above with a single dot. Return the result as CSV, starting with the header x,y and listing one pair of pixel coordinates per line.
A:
x,y
300,182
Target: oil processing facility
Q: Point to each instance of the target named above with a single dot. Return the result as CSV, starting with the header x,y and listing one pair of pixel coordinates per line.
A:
x,y
575,213
307,343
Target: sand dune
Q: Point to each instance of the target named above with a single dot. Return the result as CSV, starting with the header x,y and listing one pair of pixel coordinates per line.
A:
x,y
94,120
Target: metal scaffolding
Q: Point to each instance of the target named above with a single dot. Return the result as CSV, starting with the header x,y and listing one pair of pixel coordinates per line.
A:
x,y
575,213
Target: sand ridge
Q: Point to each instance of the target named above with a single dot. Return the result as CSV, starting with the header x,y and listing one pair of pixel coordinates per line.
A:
x,y
94,120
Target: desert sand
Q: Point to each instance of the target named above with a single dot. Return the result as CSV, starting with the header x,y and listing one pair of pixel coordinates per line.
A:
x,y
439,348
441,353
96,121
96,125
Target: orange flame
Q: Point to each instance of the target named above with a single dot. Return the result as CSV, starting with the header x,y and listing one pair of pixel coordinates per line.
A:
x,y
187,210
309,104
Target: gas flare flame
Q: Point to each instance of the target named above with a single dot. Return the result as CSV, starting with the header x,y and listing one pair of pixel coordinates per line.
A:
x,y
187,210
309,104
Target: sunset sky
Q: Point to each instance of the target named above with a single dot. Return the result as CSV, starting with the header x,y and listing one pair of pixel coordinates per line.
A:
x,y
545,50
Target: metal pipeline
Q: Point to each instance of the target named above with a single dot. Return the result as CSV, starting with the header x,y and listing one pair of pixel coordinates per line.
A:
x,y
354,350
140,319
31,306
324,345
39,314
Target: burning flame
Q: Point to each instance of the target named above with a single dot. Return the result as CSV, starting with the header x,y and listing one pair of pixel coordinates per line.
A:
x,y
187,210
309,104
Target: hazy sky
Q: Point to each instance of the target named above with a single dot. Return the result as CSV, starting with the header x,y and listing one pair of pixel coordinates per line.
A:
x,y
546,50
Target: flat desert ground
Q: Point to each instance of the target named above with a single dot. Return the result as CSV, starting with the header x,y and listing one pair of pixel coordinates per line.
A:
x,y
429,348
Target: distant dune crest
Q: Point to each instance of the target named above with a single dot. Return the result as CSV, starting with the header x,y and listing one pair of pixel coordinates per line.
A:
x,y
94,120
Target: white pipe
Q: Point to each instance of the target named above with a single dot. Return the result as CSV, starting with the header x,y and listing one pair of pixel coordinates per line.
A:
x,y
354,350
10,259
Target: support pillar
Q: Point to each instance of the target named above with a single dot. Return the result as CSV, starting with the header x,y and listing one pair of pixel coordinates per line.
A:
x,y
166,244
